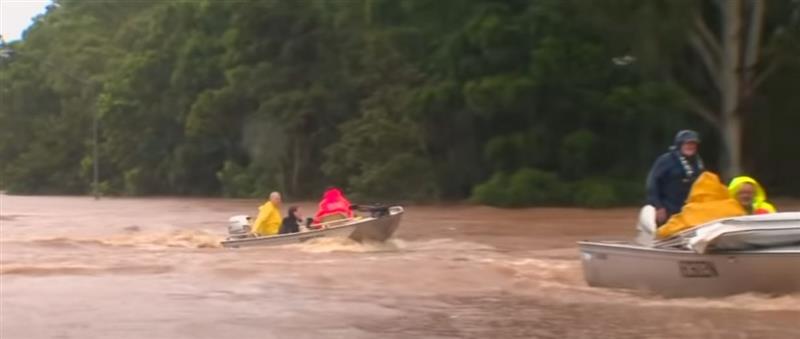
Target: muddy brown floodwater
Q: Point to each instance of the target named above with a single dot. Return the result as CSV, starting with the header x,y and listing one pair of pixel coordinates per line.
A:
x,y
152,268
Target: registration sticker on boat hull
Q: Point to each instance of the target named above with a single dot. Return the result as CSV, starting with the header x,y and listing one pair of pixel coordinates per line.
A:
x,y
697,269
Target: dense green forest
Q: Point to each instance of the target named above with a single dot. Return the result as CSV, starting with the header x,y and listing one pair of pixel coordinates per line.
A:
x,y
508,102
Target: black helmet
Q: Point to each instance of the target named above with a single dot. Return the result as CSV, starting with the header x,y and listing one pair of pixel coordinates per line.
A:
x,y
685,136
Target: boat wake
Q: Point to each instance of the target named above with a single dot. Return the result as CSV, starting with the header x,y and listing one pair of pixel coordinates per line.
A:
x,y
561,279
564,277
59,270
446,245
747,301
173,239
328,245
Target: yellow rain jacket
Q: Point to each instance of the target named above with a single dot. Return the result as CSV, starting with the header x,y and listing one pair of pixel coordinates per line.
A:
x,y
268,221
708,200
760,204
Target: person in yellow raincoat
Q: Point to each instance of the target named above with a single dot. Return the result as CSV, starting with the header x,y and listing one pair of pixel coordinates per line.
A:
x,y
748,192
708,200
269,216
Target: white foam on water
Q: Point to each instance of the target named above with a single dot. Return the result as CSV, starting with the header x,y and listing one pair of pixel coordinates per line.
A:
x,y
150,240
328,245
747,301
446,244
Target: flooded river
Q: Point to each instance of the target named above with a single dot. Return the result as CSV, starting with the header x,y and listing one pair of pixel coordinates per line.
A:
x,y
73,267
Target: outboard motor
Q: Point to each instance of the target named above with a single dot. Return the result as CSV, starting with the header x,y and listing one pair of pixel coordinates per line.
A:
x,y
379,211
375,211
238,227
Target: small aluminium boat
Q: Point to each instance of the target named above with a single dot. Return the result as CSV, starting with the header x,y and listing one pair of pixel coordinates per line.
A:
x,y
730,256
377,224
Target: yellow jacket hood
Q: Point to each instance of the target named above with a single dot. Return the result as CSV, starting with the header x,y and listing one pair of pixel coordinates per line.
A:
x,y
736,185
760,204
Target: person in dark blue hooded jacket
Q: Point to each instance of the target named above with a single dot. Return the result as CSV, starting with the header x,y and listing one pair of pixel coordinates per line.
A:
x,y
673,174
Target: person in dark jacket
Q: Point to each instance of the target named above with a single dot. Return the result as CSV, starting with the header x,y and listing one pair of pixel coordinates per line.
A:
x,y
291,224
673,174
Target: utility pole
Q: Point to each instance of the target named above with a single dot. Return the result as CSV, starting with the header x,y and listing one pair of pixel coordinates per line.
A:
x,y
95,158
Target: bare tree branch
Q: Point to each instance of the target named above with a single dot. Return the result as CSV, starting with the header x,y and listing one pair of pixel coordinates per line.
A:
x,y
712,68
696,105
709,39
760,78
701,110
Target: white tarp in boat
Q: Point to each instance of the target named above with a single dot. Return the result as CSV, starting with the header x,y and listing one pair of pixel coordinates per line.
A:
x,y
740,233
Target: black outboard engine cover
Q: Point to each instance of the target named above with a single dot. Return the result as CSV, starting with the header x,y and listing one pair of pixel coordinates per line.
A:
x,y
375,211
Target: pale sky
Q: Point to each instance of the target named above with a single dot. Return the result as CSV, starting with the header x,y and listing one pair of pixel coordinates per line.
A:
x,y
16,15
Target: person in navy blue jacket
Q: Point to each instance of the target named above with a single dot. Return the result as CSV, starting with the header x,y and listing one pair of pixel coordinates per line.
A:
x,y
673,174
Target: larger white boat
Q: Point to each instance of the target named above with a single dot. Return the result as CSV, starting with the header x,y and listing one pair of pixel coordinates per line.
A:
x,y
730,256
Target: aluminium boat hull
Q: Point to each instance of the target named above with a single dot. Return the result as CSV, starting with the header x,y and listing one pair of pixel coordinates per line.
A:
x,y
377,229
683,273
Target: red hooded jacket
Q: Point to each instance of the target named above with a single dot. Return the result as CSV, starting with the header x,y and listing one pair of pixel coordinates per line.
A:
x,y
333,202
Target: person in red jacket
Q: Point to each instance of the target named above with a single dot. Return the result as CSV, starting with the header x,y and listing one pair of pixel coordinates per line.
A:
x,y
333,203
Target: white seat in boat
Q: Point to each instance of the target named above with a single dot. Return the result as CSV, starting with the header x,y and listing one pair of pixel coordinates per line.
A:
x,y
647,226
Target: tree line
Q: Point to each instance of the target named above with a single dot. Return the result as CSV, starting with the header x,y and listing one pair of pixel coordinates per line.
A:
x,y
508,102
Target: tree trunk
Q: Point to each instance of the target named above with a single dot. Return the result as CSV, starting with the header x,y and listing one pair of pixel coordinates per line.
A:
x,y
731,132
752,48
730,118
730,58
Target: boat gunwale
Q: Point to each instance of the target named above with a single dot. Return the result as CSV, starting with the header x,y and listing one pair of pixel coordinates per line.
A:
x,y
345,224
625,245
683,235
296,234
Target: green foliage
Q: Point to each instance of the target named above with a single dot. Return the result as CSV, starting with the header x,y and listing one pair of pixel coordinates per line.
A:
x,y
524,187
494,192
605,192
403,176
512,102
592,193
501,93
532,187
238,181
133,180
380,158
576,154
